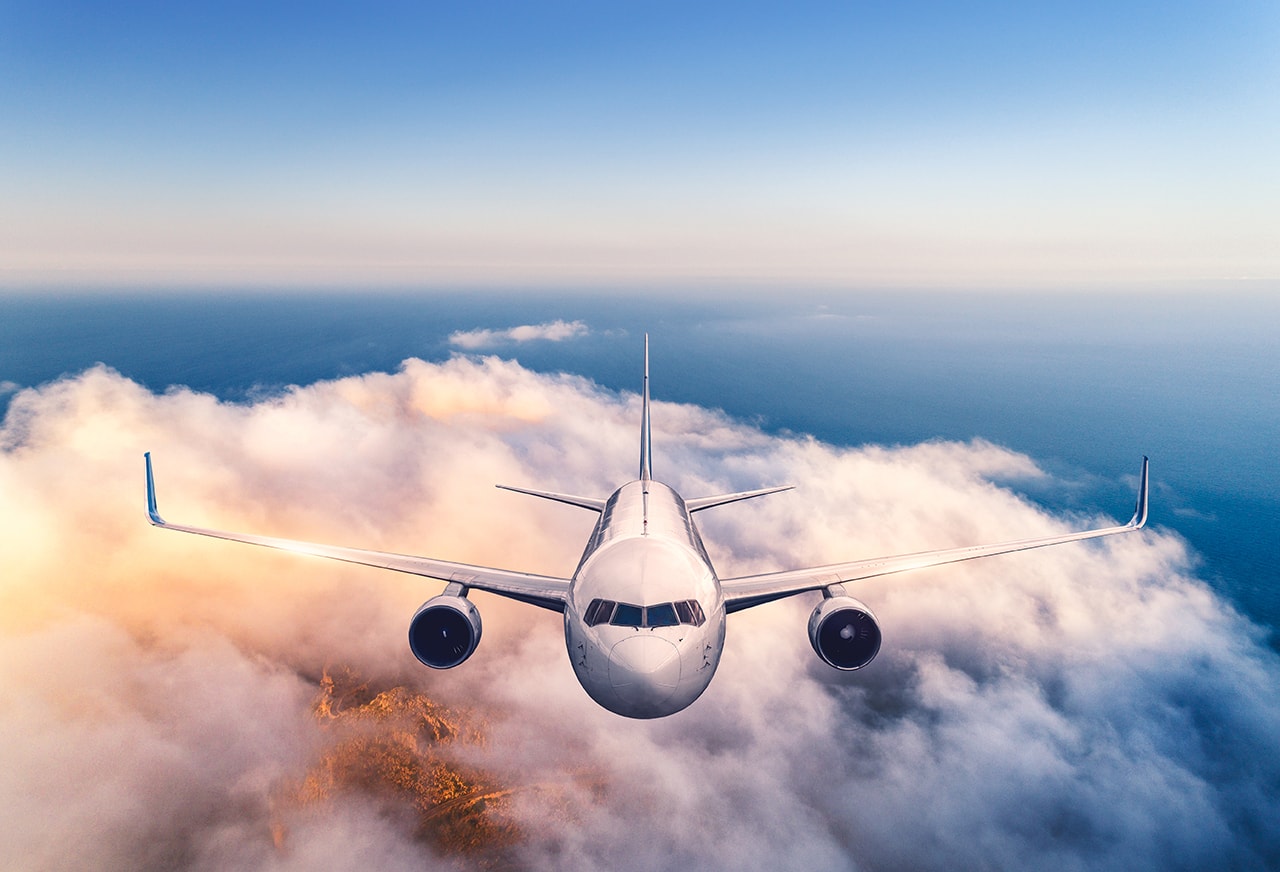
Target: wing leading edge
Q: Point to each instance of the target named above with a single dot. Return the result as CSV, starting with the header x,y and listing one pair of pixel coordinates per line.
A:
x,y
753,590
545,591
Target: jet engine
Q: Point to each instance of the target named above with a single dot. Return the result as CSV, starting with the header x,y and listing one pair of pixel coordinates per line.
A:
x,y
844,633
444,631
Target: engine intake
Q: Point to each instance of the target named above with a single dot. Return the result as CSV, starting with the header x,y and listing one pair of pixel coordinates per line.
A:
x,y
844,633
444,631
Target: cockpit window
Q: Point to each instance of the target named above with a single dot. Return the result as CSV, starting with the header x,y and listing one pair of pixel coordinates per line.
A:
x,y
627,615
599,612
661,616
602,611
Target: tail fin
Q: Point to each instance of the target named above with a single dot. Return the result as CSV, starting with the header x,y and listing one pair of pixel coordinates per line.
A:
x,y
646,453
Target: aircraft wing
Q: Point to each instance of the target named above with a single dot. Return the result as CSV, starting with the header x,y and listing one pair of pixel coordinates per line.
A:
x,y
753,590
545,591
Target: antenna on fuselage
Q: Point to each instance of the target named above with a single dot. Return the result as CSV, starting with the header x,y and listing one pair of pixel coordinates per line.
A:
x,y
646,454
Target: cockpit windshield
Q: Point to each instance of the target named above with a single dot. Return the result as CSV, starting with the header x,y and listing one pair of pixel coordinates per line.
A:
x,y
627,615
661,616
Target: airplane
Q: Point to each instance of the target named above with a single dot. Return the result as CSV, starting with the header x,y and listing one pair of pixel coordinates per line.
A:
x,y
644,611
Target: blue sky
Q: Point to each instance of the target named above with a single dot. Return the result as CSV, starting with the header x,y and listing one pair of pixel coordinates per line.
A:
x,y
906,144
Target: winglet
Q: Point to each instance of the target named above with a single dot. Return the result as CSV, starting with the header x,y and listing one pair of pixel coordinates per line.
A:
x,y
646,453
1140,511
153,514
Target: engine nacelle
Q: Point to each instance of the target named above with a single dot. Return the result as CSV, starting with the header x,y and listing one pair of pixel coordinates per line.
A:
x,y
444,631
844,633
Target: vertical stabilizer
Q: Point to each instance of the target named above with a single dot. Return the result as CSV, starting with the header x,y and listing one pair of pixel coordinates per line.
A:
x,y
646,456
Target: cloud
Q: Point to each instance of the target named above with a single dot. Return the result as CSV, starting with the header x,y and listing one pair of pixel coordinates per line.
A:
x,y
551,331
165,700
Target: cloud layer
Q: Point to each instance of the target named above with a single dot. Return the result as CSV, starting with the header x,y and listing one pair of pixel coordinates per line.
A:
x,y
550,331
1084,707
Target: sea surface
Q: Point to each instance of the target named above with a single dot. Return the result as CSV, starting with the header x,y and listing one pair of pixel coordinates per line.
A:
x,y
1086,384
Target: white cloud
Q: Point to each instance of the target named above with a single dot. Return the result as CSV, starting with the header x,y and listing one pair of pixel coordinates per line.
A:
x,y
551,331
1085,707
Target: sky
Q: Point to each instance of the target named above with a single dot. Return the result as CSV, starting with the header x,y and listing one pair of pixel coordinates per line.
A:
x,y
176,702
911,144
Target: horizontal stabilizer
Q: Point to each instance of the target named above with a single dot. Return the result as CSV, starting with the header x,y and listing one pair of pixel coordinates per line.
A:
x,y
581,502
700,503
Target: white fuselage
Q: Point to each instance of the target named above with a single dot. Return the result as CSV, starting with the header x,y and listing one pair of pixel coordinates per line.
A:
x,y
644,552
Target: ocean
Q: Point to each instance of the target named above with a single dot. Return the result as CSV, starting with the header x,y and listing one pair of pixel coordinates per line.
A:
x,y
1085,384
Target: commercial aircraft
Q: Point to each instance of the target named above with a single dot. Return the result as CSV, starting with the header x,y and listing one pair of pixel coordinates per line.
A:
x,y
644,611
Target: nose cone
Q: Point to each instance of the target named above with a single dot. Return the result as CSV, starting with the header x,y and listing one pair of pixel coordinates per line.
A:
x,y
644,671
